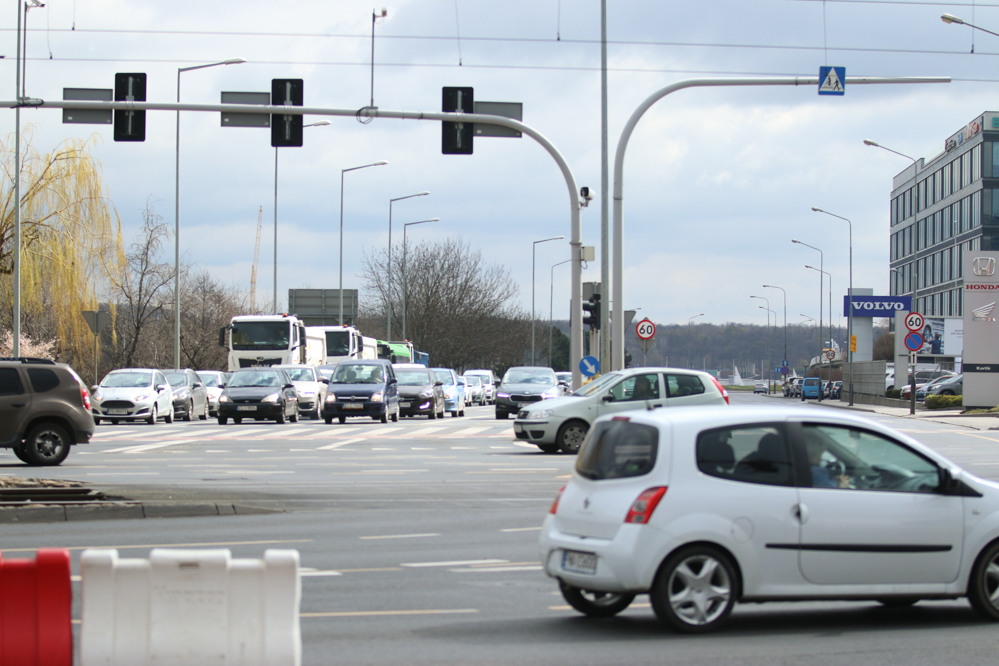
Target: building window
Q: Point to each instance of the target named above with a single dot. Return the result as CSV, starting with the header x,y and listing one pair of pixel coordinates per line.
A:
x,y
959,294
976,209
965,214
945,217
894,211
908,203
921,197
946,180
976,163
935,260
937,178
965,170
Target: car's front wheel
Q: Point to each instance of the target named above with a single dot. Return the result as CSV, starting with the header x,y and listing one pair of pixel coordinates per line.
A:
x,y
595,604
189,413
571,435
548,448
983,586
695,590
46,444
502,415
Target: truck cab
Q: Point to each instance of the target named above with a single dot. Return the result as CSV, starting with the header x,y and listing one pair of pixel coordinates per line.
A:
x,y
266,340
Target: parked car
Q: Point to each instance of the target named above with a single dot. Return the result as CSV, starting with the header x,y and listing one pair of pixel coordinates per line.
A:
x,y
704,508
759,387
947,386
44,409
133,394
792,387
190,397
420,391
214,383
488,383
310,387
562,423
523,385
475,391
454,391
362,388
261,394
926,376
811,388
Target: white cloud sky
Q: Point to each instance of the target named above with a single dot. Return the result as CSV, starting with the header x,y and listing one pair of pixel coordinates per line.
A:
x,y
717,181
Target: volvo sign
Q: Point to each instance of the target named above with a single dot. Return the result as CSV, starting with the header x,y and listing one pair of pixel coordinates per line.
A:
x,y
876,306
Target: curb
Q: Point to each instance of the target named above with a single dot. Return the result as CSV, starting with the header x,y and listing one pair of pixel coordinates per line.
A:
x,y
58,513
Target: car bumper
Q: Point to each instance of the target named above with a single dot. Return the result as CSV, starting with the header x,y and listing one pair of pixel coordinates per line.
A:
x,y
416,406
140,411
252,410
338,409
513,406
541,431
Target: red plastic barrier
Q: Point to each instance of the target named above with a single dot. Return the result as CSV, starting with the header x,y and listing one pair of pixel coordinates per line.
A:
x,y
35,606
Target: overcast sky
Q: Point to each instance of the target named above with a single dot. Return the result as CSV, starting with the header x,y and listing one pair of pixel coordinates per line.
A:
x,y
717,181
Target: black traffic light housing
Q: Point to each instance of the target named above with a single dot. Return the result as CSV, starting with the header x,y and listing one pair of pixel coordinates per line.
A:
x,y
129,125
286,129
456,138
591,310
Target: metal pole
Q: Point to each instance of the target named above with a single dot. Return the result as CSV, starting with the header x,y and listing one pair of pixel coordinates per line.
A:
x,y
534,318
388,292
405,285
617,320
605,249
275,303
784,294
176,239
551,308
16,328
849,298
339,320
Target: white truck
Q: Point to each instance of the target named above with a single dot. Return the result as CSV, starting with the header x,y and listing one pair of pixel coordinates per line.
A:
x,y
266,340
345,342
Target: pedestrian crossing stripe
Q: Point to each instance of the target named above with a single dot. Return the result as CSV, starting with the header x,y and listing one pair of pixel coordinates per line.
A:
x,y
831,80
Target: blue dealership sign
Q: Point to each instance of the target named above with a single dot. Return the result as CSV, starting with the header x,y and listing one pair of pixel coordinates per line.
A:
x,y
876,306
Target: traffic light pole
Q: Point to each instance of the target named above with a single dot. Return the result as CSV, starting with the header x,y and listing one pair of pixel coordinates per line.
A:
x,y
575,241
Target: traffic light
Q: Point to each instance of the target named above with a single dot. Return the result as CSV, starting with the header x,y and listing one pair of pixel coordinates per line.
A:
x,y
129,125
456,138
286,130
591,309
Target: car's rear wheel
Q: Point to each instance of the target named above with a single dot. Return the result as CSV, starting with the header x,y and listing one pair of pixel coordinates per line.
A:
x,y
983,586
571,435
548,448
342,419
223,420
97,421
502,415
695,590
19,452
328,420
595,604
204,415
237,419
114,421
46,444
189,414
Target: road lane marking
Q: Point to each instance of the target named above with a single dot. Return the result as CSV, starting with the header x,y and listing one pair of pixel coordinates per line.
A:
x,y
314,573
337,445
531,567
454,563
522,529
173,545
387,613
148,447
465,432
401,536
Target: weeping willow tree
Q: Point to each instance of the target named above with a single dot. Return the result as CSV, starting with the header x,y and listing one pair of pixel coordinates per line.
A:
x,y
71,244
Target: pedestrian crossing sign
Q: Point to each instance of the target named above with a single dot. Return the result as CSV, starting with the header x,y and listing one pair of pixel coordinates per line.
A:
x,y
832,80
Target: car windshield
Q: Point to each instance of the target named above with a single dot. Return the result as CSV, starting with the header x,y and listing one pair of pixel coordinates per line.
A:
x,y
260,335
176,378
128,380
540,376
248,379
302,374
444,376
597,384
473,381
211,380
413,377
358,374
337,343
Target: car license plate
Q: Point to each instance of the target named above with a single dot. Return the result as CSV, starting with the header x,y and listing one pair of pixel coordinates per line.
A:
x,y
246,408
576,562
523,404
405,405
117,411
353,405
518,428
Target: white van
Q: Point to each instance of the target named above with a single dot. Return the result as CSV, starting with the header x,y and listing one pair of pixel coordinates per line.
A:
x,y
489,382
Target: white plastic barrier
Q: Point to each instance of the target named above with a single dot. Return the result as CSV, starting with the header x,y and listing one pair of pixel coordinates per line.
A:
x,y
190,608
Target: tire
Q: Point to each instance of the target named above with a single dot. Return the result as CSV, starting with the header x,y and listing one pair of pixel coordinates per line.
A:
x,y
151,420
223,420
433,413
342,419
899,602
461,412
97,422
20,454
328,419
189,415
983,585
294,417
114,421
595,604
280,417
237,419
47,444
169,416
571,435
204,416
695,590
548,448
947,392
502,415
384,416
395,417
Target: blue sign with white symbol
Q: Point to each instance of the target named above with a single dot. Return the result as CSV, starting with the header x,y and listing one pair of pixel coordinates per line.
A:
x,y
784,363
913,341
832,80
589,365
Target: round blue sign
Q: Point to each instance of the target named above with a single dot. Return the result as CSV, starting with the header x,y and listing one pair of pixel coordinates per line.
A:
x,y
913,341
589,365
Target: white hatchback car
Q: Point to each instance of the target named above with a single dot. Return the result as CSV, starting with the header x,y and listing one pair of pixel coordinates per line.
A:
x,y
703,508
310,386
562,423
133,394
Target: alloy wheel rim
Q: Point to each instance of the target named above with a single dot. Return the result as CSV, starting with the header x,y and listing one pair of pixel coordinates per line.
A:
x,y
700,589
48,444
991,581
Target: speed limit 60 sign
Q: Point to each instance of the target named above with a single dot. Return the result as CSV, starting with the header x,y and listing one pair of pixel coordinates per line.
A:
x,y
645,329
914,321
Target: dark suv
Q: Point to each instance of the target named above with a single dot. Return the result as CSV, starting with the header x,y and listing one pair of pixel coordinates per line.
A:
x,y
44,409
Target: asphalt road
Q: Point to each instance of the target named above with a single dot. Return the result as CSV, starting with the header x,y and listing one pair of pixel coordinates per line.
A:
x,y
418,542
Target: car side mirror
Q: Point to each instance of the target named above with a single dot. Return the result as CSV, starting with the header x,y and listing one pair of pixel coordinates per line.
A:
x,y
221,386
325,381
198,385
393,380
608,398
438,383
948,483
93,388
289,386
160,387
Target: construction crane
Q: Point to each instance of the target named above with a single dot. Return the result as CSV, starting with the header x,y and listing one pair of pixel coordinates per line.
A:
x,y
256,260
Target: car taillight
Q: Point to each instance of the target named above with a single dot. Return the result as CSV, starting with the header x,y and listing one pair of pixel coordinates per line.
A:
x,y
721,389
85,394
558,496
642,509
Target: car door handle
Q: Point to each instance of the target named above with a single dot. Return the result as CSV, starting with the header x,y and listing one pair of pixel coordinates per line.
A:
x,y
800,512
657,405
19,404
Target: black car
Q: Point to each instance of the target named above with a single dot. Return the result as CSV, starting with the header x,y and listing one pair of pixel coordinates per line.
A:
x,y
420,392
260,394
362,388
523,385
190,396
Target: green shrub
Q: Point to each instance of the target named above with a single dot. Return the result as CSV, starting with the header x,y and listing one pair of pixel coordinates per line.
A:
x,y
893,393
943,401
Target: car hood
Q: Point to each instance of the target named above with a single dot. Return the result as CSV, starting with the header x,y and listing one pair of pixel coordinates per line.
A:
x,y
525,389
124,392
307,386
412,391
359,389
250,392
558,403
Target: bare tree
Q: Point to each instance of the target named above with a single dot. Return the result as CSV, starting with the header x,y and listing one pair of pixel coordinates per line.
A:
x,y
458,309
206,306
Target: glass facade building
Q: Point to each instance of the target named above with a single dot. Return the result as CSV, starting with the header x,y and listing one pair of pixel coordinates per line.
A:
x,y
941,208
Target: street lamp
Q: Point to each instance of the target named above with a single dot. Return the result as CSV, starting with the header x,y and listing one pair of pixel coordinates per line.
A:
x,y
849,299
339,320
388,292
404,283
318,123
176,210
770,374
806,317
875,144
551,310
770,286
693,318
793,240
830,318
950,18
768,323
534,248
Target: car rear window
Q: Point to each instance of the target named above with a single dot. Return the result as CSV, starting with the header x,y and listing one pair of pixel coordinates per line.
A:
x,y
618,449
681,385
43,380
749,453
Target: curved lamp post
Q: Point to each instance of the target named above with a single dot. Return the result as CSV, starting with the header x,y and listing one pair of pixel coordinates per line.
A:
x,y
405,284
339,320
534,318
849,298
388,292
